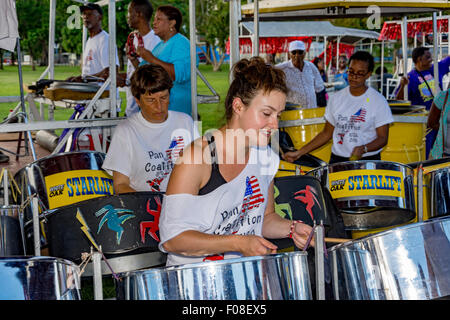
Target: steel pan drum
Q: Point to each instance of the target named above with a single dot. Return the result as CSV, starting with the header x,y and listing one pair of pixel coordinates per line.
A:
x,y
370,194
439,199
38,278
282,276
411,262
62,179
11,235
120,224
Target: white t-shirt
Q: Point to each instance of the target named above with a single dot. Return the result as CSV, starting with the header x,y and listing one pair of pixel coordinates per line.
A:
x,y
146,152
302,85
236,207
96,54
355,119
150,41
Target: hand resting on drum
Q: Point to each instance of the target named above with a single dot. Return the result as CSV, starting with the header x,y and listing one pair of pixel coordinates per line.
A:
x,y
195,243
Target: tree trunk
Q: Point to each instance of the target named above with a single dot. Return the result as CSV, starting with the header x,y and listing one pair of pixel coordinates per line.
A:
x,y
1,59
121,58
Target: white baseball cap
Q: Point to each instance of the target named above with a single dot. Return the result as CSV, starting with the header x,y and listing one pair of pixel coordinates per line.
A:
x,y
297,45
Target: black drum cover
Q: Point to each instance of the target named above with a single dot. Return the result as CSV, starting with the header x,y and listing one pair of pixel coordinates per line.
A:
x,y
303,198
300,198
120,224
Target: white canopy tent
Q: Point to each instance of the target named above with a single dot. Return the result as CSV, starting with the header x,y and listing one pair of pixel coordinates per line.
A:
x,y
308,29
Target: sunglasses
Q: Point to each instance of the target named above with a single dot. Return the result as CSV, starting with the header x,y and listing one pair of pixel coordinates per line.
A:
x,y
297,52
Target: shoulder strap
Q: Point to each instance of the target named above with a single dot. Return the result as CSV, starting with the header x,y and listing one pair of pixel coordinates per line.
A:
x,y
212,147
420,74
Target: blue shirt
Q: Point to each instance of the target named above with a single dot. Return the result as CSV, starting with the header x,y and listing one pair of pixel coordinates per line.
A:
x,y
176,51
418,92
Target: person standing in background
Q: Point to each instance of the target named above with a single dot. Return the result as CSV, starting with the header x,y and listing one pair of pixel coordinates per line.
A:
x,y
140,13
302,77
173,54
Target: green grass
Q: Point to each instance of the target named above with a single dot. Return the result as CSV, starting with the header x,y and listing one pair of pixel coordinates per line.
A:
x,y
211,114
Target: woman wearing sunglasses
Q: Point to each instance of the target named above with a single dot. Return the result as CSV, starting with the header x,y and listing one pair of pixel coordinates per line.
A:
x,y
357,118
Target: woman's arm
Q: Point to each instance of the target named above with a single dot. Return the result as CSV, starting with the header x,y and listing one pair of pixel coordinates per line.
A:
x,y
433,117
379,142
121,183
150,58
322,138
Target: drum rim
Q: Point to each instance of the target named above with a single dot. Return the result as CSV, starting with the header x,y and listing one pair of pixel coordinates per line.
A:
x,y
37,259
406,166
50,212
382,233
61,154
218,263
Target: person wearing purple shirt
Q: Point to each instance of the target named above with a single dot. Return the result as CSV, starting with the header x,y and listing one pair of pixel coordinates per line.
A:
x,y
421,83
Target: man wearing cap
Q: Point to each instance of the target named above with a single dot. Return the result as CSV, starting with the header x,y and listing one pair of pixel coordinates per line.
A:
x,y
96,52
302,77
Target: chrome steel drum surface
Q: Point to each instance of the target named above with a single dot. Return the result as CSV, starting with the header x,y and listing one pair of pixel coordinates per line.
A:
x,y
440,192
411,262
370,194
281,276
39,278
11,235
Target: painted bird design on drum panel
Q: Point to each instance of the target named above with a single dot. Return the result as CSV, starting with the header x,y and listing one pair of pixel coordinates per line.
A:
x,y
114,222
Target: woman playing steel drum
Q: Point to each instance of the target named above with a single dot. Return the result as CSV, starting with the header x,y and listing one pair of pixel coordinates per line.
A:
x,y
357,118
145,146
219,201
438,120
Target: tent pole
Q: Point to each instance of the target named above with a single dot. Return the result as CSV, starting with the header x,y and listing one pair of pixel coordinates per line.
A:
x,y
22,101
51,40
435,56
405,53
193,48
256,29
234,34
112,59
382,67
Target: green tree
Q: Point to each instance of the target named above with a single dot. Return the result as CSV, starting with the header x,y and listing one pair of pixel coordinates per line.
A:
x,y
212,22
33,18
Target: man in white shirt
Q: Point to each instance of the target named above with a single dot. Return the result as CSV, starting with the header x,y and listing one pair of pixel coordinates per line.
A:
x,y
96,52
139,15
146,145
302,77
357,118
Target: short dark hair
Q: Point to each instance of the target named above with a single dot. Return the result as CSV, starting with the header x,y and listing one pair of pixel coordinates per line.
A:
x,y
363,56
418,52
150,78
144,7
172,13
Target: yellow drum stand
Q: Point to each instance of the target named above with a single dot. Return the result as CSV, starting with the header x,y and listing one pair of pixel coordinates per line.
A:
x,y
303,125
406,141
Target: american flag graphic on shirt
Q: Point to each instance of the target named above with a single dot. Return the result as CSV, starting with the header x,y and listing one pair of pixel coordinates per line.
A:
x,y
252,196
175,148
172,153
252,199
359,116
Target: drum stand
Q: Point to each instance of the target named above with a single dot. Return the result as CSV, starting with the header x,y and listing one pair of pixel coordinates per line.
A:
x,y
319,240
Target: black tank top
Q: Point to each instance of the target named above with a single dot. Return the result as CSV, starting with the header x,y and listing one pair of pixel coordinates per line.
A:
x,y
216,179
